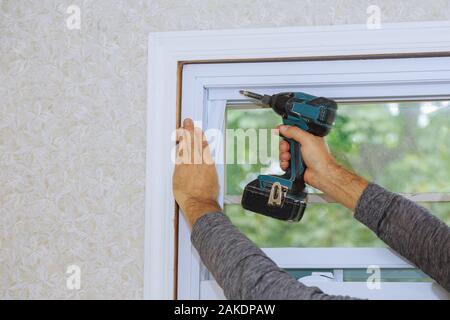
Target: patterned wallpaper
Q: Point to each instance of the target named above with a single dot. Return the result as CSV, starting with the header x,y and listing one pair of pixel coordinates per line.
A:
x,y
72,128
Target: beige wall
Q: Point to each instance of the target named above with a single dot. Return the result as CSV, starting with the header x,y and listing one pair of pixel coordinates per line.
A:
x,y
72,128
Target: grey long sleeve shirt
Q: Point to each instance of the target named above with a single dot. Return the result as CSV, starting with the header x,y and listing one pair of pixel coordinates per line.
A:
x,y
245,272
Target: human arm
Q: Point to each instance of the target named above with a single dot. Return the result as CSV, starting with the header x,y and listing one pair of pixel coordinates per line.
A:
x,y
240,268
322,171
409,229
406,227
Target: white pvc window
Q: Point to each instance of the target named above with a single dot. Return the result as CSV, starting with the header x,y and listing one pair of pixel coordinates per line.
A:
x,y
374,91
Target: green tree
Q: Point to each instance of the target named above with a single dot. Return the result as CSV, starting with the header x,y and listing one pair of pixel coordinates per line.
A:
x,y
403,147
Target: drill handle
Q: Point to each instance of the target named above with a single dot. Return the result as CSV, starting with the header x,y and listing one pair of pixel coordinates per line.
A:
x,y
296,167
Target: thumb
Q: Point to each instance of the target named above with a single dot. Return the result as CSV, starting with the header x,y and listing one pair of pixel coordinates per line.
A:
x,y
295,133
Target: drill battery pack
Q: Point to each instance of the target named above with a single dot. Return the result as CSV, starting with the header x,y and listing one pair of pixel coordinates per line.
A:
x,y
256,199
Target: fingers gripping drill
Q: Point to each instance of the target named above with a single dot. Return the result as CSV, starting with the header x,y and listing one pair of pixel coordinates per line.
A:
x,y
283,196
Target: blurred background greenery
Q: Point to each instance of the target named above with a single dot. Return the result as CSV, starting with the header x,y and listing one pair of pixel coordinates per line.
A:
x,y
405,147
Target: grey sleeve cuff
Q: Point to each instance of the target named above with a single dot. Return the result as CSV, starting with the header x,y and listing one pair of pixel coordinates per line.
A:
x,y
235,262
409,229
206,224
241,268
373,205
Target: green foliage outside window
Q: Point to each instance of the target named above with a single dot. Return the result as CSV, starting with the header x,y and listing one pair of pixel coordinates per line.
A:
x,y
405,147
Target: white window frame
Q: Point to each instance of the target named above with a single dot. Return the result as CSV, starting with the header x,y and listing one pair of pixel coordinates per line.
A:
x,y
169,53
359,80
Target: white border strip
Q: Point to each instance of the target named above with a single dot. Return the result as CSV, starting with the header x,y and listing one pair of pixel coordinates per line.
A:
x,y
166,50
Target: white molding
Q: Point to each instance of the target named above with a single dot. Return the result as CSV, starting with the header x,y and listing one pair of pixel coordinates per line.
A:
x,y
336,258
388,290
166,50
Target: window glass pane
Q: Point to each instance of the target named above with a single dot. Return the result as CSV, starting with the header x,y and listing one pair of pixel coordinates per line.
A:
x,y
361,275
402,146
387,275
323,225
384,142
300,273
237,174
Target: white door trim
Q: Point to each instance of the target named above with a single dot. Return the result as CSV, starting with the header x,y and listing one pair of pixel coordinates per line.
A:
x,y
167,50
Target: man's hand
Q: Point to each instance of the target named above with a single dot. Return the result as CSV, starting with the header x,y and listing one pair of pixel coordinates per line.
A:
x,y
315,154
322,171
195,182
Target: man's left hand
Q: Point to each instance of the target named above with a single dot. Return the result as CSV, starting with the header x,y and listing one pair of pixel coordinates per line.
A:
x,y
195,181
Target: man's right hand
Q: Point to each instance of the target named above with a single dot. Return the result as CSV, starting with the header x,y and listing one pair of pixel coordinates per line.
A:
x,y
315,153
322,171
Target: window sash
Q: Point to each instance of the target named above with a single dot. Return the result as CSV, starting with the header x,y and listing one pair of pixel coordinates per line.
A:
x,y
209,289
392,79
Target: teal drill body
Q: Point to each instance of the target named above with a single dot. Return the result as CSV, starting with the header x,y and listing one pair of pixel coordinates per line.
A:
x,y
283,196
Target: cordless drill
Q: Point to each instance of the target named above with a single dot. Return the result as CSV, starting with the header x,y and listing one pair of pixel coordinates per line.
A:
x,y
283,196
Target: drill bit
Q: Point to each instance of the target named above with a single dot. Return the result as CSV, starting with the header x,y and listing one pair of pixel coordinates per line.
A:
x,y
251,94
